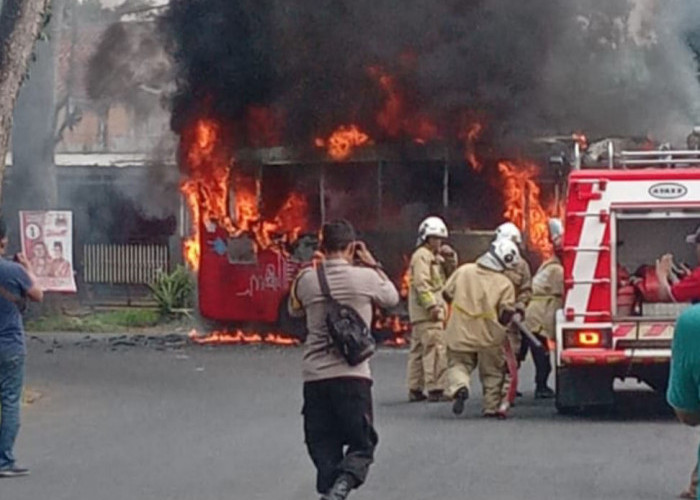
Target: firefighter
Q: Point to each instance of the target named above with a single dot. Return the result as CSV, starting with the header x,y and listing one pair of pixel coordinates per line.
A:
x,y
693,140
521,276
431,263
547,298
483,302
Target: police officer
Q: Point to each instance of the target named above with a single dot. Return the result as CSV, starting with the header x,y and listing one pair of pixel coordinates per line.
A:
x,y
338,411
521,277
547,298
431,263
483,302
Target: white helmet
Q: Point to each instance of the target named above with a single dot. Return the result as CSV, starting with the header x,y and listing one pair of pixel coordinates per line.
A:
x,y
509,231
506,253
556,229
432,226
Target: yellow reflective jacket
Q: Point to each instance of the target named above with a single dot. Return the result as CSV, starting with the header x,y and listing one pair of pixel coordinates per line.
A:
x,y
547,298
427,273
478,297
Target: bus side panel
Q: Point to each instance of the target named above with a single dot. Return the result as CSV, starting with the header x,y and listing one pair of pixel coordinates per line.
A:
x,y
240,292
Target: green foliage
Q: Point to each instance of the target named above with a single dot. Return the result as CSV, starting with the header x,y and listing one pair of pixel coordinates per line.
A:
x,y
100,322
173,291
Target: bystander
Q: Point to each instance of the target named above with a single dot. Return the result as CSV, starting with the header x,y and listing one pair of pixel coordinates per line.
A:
x,y
17,284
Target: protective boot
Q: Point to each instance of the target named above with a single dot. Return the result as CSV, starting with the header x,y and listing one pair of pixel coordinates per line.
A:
x,y
341,489
416,396
502,412
458,405
437,397
544,393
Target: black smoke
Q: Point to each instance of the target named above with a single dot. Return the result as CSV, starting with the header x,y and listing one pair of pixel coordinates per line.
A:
x,y
607,67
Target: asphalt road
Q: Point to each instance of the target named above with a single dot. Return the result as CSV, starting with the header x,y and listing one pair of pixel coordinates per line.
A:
x,y
213,424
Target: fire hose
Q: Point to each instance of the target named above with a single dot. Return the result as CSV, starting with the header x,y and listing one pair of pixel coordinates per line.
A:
x,y
525,332
512,362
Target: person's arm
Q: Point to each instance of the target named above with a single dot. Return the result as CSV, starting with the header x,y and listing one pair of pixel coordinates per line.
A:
x,y
27,280
525,289
450,259
421,280
686,290
687,418
294,305
506,304
663,271
383,291
555,280
448,290
683,389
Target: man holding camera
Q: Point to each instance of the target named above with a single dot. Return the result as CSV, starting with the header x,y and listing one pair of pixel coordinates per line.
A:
x,y
337,396
17,283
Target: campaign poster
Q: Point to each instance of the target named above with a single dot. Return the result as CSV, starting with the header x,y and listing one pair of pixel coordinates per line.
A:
x,y
47,241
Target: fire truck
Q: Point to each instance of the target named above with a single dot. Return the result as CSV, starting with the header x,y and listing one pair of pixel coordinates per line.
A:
x,y
621,216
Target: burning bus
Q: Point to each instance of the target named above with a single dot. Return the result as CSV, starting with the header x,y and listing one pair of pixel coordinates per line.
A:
x,y
255,213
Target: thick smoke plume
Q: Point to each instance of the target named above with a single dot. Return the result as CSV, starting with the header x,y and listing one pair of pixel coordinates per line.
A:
x,y
606,67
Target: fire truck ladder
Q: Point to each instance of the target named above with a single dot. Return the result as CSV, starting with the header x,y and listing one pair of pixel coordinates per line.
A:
x,y
660,158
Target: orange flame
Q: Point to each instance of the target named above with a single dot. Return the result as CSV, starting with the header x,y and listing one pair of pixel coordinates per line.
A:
x,y
405,283
209,182
205,190
394,118
470,135
240,337
398,328
522,197
343,141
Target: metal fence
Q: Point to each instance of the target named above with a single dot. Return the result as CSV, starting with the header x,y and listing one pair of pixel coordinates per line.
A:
x,y
123,264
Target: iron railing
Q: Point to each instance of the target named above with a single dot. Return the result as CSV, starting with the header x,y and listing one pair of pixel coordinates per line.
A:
x,y
124,264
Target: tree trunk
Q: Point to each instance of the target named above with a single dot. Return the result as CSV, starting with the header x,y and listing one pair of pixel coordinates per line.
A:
x,y
20,24
34,183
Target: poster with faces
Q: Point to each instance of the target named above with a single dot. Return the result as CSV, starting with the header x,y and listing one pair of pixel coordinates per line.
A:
x,y
47,241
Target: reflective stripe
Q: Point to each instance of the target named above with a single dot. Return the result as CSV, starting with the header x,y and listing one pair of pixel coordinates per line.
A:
x,y
543,298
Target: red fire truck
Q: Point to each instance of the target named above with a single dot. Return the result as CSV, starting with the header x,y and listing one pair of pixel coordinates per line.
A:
x,y
620,217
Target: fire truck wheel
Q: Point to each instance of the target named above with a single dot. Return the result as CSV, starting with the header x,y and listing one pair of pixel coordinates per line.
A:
x,y
295,327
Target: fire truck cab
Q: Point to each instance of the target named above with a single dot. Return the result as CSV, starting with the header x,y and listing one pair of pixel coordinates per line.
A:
x,y
620,218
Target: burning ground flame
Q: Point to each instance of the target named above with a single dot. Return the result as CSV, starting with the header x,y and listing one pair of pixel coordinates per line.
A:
x,y
343,141
240,337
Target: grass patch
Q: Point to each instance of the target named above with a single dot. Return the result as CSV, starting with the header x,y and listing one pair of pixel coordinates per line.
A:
x,y
99,322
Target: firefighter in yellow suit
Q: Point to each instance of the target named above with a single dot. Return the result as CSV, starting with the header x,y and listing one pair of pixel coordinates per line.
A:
x,y
431,263
547,299
521,277
483,301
